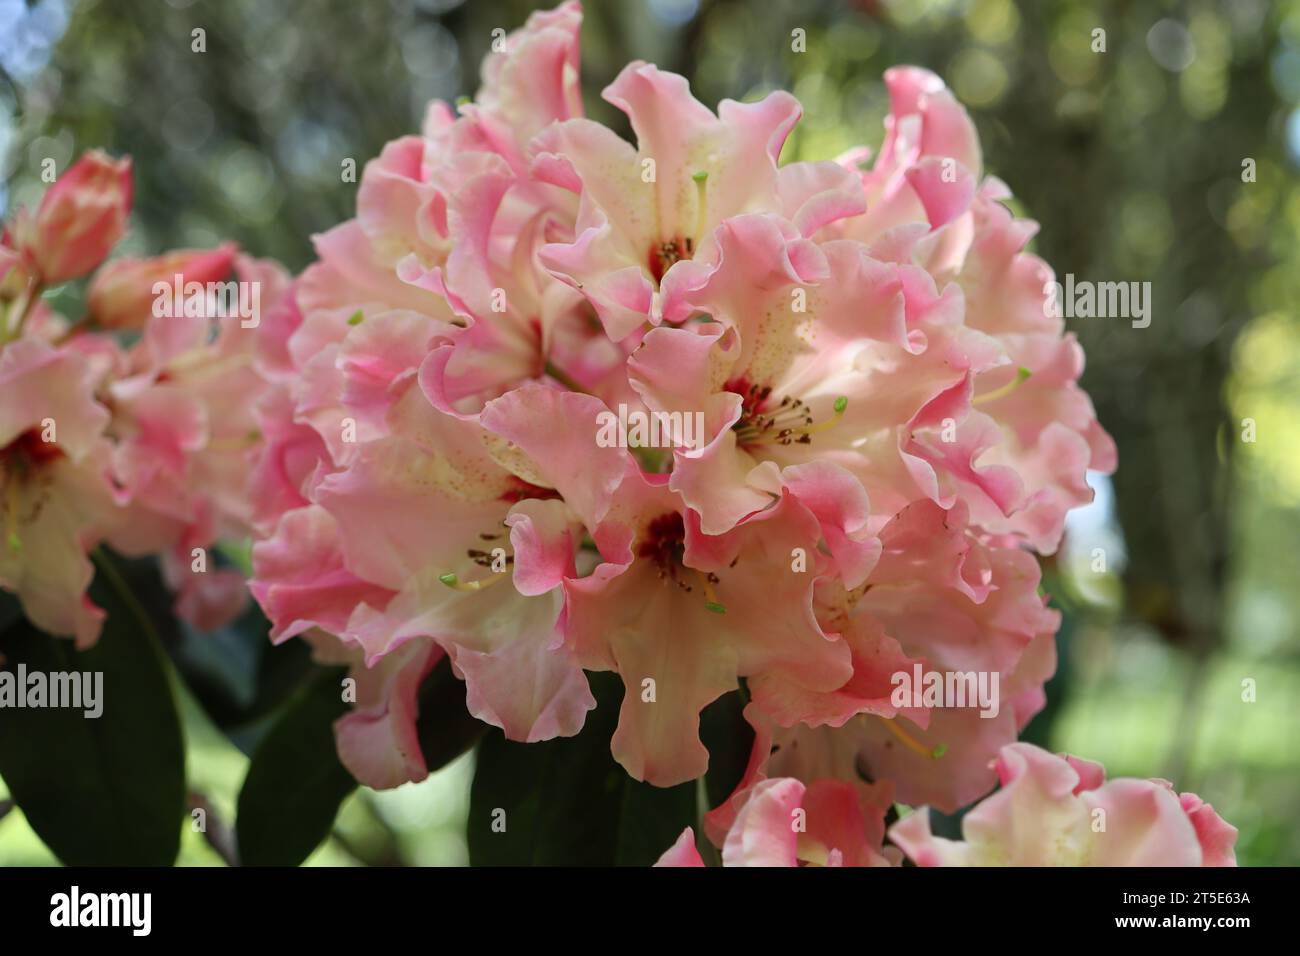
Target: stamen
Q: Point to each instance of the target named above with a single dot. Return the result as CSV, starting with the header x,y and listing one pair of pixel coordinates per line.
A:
x,y
840,405
790,423
912,743
235,444
1021,375
456,584
710,596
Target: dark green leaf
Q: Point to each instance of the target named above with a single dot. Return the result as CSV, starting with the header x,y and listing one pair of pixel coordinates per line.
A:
x,y
108,790
729,740
651,819
295,783
235,673
10,609
566,802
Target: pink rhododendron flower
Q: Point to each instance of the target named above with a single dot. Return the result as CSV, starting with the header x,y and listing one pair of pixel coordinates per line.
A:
x,y
1061,811
642,211
785,823
941,602
56,496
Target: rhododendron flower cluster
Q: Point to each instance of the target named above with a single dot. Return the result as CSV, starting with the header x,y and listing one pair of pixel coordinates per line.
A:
x,y
893,426
143,447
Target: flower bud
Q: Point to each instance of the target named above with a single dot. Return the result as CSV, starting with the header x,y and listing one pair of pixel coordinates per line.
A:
x,y
81,218
123,292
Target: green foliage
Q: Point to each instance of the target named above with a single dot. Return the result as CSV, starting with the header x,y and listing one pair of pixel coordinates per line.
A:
x,y
108,790
565,802
295,784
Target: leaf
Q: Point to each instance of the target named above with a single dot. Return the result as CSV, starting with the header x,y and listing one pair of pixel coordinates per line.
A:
x,y
10,609
235,673
651,819
238,676
729,739
295,783
566,802
108,790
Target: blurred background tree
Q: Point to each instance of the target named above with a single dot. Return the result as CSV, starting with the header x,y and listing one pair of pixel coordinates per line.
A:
x,y
1133,160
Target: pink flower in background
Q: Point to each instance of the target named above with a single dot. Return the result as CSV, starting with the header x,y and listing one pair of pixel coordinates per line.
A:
x,y
184,414
1061,811
57,499
148,448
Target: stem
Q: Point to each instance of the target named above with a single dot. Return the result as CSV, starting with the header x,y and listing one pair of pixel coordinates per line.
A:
x,y
115,579
31,294
388,855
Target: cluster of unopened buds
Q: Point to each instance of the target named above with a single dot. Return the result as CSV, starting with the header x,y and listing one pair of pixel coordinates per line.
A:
x,y
555,403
